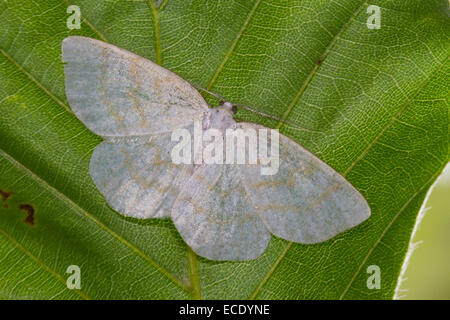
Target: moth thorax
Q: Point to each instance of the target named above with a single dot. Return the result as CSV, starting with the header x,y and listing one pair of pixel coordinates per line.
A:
x,y
220,118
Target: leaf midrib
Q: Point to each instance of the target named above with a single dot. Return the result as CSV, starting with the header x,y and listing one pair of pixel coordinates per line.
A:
x,y
192,263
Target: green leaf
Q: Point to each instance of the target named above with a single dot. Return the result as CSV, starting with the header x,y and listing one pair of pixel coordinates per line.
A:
x,y
372,103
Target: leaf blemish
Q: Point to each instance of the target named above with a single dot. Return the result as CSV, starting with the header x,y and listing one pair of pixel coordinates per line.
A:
x,y
30,213
5,195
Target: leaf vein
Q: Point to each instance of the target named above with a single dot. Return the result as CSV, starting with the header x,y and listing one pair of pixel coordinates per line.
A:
x,y
233,45
317,66
39,262
89,216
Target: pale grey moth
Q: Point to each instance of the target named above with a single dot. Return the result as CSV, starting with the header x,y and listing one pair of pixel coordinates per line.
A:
x,y
223,212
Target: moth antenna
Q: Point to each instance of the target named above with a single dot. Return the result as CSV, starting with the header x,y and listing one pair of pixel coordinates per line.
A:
x,y
292,124
223,100
218,96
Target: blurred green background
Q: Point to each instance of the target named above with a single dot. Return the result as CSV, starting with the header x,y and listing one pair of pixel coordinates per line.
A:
x,y
427,275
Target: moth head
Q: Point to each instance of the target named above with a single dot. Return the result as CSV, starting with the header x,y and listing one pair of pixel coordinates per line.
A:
x,y
229,107
221,117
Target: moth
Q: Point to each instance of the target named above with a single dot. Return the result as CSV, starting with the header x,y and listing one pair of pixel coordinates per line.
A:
x,y
222,211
